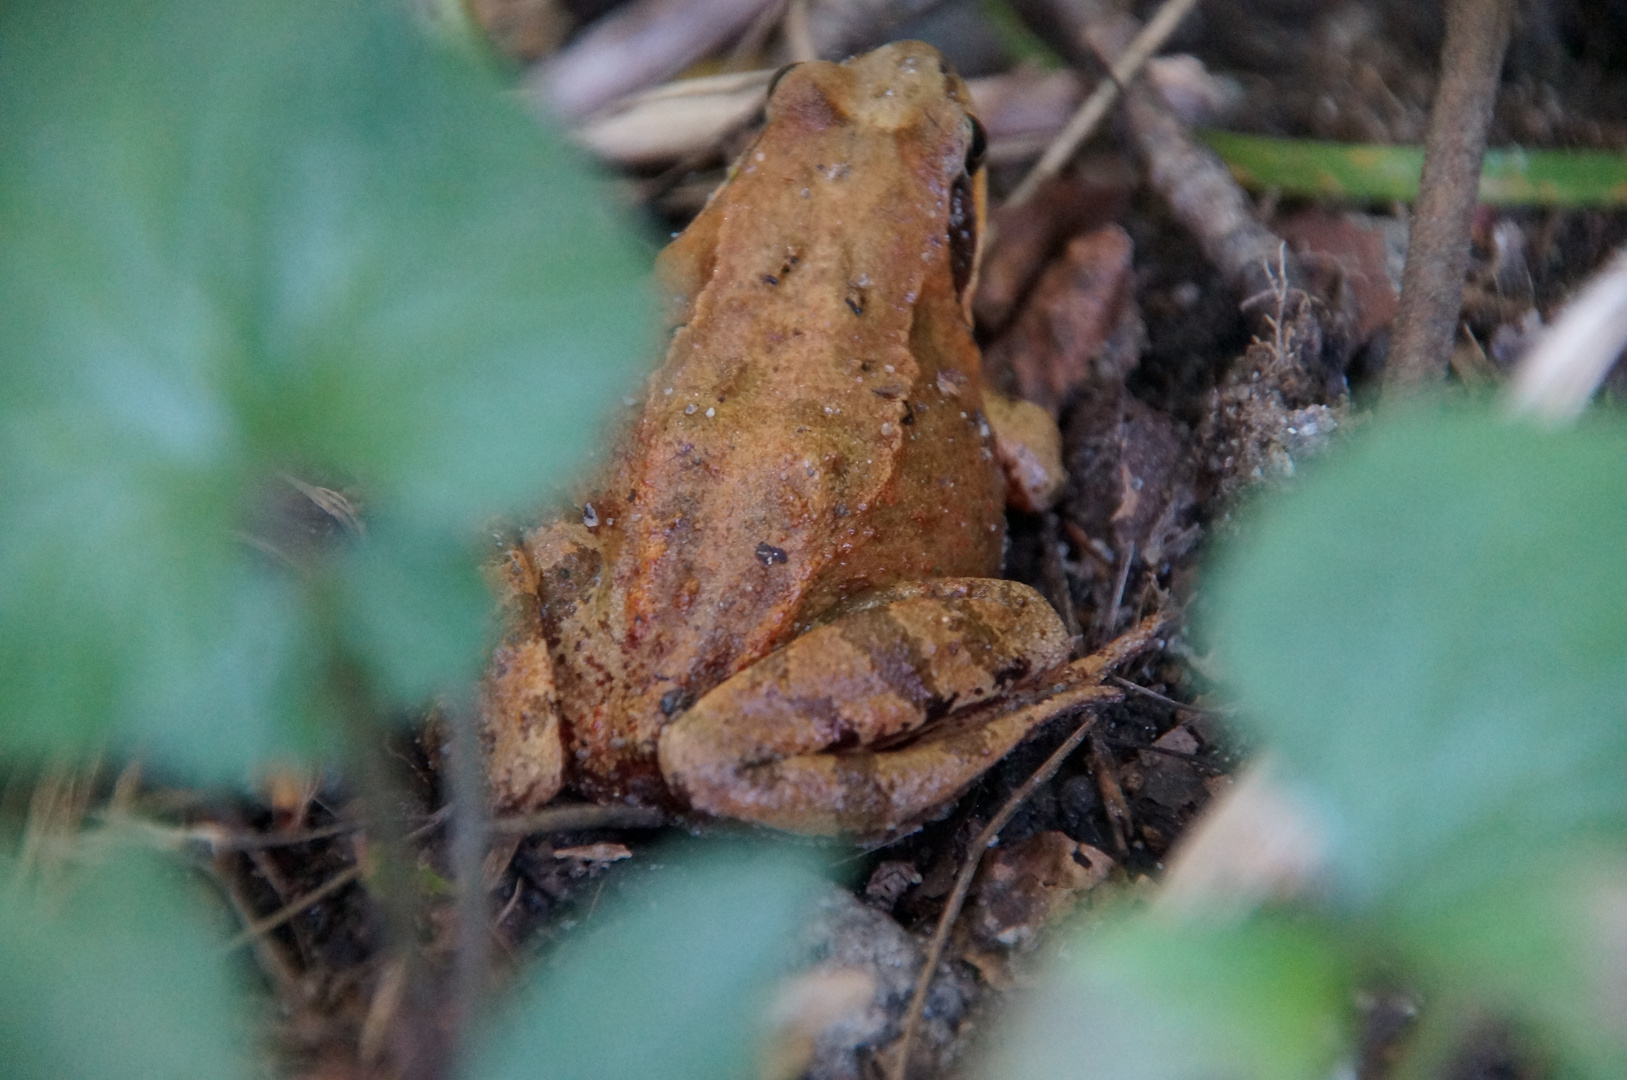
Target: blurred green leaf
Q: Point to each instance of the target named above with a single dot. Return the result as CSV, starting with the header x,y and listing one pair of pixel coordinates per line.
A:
x,y
413,601
670,981
115,979
241,239
1431,629
1547,947
1151,999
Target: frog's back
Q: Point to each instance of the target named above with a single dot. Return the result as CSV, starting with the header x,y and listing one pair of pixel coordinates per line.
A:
x,y
816,428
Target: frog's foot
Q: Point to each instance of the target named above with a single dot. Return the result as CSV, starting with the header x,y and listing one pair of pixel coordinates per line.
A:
x,y
1029,448
871,721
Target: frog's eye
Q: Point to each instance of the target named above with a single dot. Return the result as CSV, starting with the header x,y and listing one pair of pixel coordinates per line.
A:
x,y
979,147
775,81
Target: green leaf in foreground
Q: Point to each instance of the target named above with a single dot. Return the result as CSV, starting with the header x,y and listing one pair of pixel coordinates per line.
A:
x,y
115,979
668,982
264,237
1150,999
1547,948
1430,629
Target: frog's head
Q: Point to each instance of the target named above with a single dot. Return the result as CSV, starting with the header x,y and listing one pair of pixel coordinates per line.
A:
x,y
909,93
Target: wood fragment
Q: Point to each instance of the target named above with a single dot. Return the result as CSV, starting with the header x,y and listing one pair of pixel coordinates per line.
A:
x,y
1438,249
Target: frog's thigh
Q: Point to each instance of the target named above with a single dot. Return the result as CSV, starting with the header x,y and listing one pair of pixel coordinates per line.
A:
x,y
776,743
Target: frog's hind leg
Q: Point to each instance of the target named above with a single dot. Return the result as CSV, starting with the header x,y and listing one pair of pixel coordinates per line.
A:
x,y
800,741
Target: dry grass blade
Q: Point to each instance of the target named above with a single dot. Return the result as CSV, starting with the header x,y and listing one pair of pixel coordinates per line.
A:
x,y
638,46
1562,370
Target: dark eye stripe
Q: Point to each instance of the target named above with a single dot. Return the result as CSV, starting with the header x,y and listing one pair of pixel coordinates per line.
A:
x,y
962,231
979,147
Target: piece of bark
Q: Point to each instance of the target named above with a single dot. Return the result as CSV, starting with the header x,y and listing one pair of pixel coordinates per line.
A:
x,y
1168,780
891,879
1131,485
1079,326
1026,237
1023,888
1354,260
635,47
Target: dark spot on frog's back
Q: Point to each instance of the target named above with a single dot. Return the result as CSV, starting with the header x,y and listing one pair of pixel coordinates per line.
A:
x,y
674,701
769,555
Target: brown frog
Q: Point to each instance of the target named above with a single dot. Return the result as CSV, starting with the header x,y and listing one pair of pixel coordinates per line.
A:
x,y
778,603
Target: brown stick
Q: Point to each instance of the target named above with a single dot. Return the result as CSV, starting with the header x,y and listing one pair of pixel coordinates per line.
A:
x,y
1203,195
1438,249
587,816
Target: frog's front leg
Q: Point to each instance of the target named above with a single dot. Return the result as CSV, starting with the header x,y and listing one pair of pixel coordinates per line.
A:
x,y
540,583
871,720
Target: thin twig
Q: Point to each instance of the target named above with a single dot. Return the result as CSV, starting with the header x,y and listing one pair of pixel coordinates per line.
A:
x,y
289,910
1056,576
1090,113
1136,688
271,956
573,818
1438,247
963,884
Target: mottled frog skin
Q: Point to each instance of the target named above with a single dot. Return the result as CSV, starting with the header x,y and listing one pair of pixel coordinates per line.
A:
x,y
787,566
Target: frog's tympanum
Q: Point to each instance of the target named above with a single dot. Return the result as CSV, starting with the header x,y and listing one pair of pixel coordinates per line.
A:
x,y
777,602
